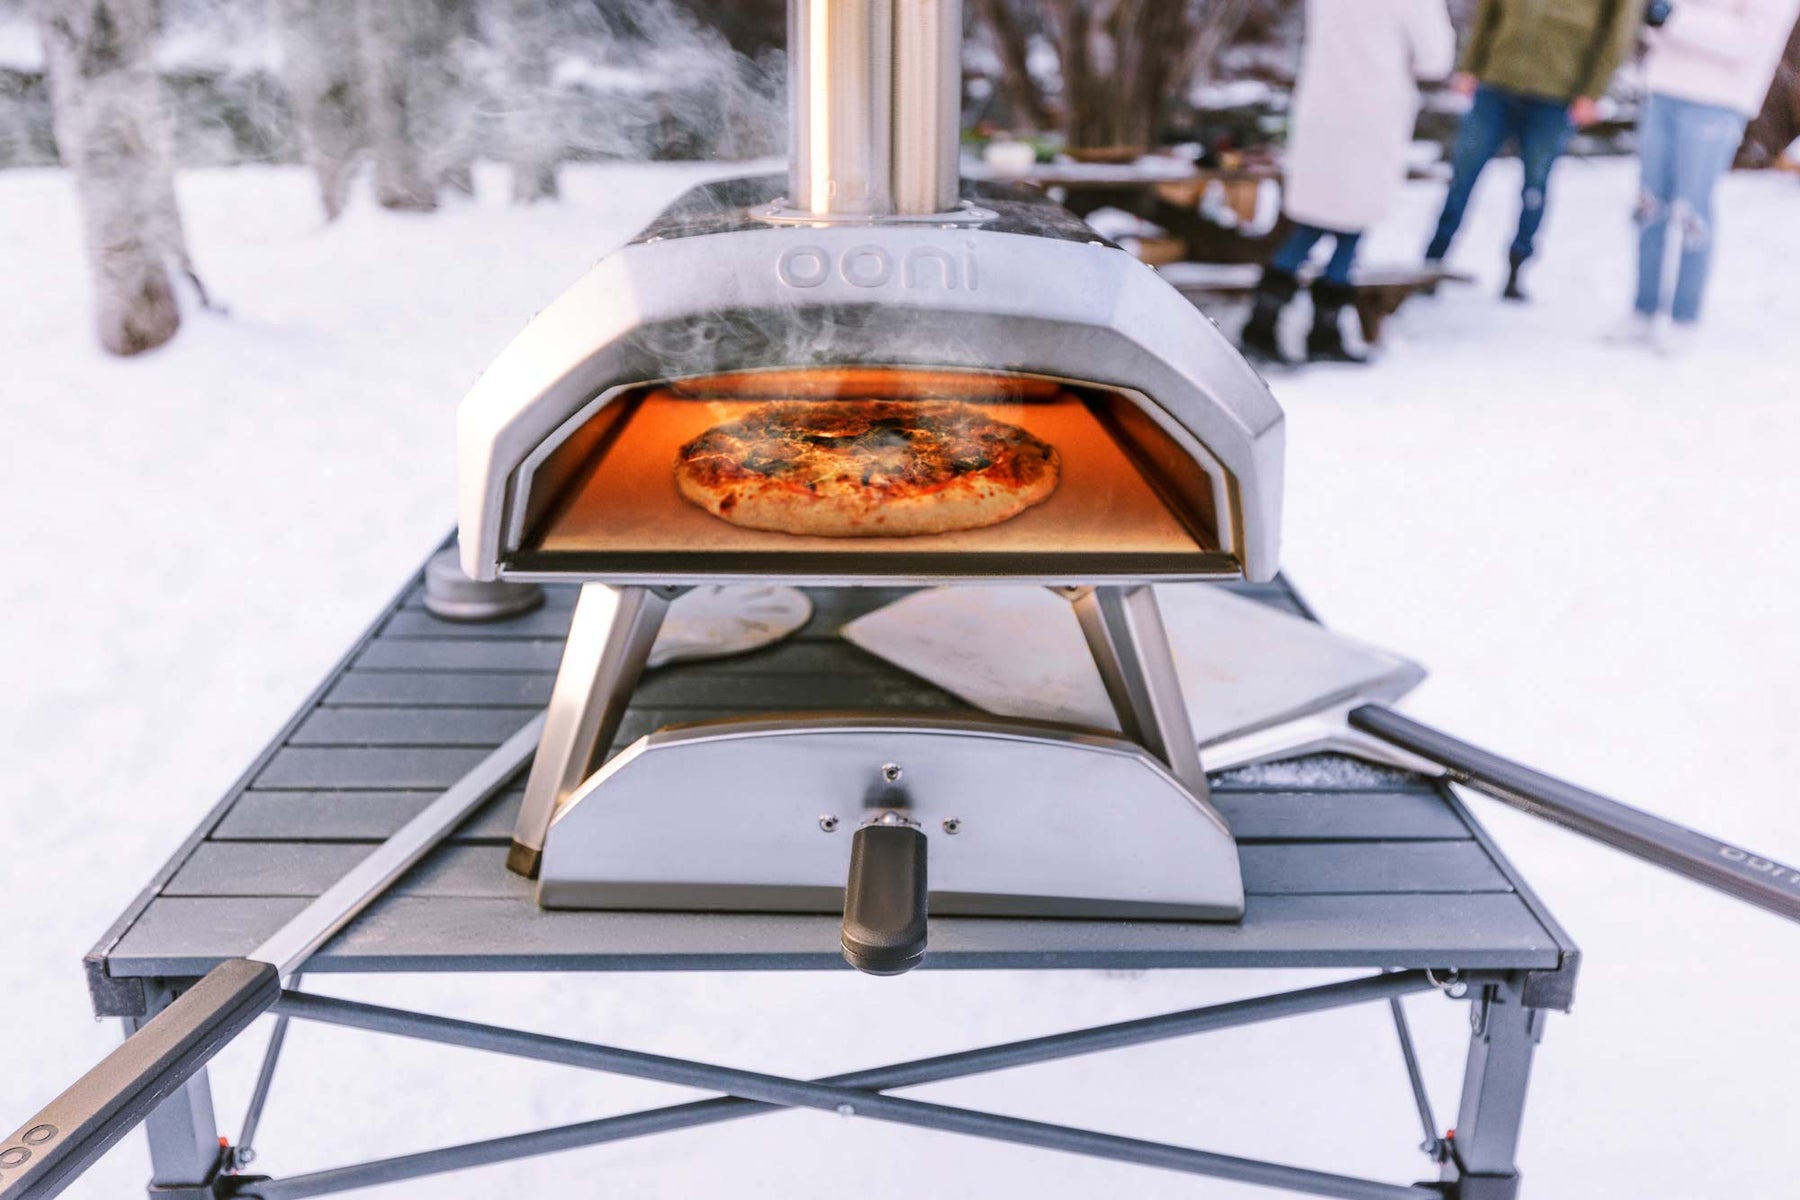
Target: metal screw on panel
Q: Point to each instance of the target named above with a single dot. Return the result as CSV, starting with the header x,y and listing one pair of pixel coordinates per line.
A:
x,y
891,772
828,822
952,824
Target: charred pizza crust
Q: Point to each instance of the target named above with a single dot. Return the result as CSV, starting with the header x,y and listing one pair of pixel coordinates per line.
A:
x,y
866,468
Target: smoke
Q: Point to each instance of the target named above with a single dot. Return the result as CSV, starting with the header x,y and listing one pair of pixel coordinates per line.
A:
x,y
536,82
515,81
651,81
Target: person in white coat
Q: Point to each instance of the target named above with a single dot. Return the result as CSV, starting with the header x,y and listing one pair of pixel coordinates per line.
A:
x,y
1708,68
1355,106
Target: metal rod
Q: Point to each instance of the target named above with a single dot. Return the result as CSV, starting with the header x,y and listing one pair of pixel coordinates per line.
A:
x,y
1433,1143
502,1149
835,1092
313,925
265,1078
609,643
1125,634
1697,856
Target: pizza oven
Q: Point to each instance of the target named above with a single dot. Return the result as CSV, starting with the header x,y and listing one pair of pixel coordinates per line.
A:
x,y
869,275
1170,445
787,290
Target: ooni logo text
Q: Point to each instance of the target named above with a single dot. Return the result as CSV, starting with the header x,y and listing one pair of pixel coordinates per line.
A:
x,y
872,266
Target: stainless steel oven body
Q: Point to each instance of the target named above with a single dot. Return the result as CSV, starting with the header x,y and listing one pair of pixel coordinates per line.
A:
x,y
870,276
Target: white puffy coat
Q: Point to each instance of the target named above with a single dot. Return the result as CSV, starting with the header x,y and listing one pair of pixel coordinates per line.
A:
x,y
1355,105
1721,52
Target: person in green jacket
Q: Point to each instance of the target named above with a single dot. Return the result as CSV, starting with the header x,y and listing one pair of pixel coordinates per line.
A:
x,y
1534,69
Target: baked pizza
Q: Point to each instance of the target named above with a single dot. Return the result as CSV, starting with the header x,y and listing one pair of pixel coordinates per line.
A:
x,y
866,468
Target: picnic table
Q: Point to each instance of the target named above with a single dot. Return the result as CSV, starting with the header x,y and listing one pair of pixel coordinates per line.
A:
x,y
1166,192
1379,291
1376,870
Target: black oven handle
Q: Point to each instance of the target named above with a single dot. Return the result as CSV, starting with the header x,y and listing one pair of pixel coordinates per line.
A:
x,y
44,1155
1705,859
885,898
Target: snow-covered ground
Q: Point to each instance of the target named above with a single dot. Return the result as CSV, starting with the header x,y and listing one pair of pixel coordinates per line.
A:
x,y
1593,549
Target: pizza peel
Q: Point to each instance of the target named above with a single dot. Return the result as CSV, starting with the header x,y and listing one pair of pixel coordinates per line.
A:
x,y
1264,687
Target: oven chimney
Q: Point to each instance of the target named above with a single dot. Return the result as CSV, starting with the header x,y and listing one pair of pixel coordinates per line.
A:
x,y
875,90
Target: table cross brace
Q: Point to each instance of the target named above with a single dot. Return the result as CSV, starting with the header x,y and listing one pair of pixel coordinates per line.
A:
x,y
859,1093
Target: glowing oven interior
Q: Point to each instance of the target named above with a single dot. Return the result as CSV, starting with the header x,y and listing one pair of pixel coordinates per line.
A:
x,y
600,499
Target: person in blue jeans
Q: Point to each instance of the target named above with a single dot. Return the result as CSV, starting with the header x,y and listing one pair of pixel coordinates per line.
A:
x,y
1541,128
1294,252
1534,69
1684,147
1706,74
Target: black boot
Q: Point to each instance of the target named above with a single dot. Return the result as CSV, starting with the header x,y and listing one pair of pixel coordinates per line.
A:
x,y
1326,341
1259,339
1513,290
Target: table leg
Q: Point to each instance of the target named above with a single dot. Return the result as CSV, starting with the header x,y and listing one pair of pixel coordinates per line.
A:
x,y
1371,311
183,1133
1484,1149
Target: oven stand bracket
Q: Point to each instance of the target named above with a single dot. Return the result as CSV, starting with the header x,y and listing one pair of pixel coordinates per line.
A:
x,y
1125,633
610,639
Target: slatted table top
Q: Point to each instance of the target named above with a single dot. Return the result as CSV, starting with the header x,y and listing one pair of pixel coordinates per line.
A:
x,y
1378,869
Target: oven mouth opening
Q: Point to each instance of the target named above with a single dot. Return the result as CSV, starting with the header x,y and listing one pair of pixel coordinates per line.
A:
x,y
892,473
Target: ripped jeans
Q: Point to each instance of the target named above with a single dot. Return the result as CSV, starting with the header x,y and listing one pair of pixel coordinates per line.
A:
x,y
1499,115
1684,148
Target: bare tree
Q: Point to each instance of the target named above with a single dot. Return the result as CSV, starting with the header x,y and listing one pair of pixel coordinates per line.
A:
x,y
394,42
446,79
1778,124
523,32
109,120
1124,62
1007,24
319,68
1117,59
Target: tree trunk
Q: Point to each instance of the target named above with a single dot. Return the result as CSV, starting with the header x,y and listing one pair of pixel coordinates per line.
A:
x,y
107,108
319,70
1778,124
1123,61
1220,22
1026,108
449,85
395,39
523,32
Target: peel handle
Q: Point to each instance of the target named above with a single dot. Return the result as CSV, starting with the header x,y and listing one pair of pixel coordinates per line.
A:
x,y
44,1155
1700,857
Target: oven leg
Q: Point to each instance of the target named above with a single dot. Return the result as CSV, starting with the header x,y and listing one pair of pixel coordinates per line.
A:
x,y
185,1155
609,641
1124,631
1483,1152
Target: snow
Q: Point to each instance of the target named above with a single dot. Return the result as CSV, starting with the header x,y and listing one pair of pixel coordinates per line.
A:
x,y
1592,549
20,49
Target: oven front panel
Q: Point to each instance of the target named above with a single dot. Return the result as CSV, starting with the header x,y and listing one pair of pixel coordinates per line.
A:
x,y
1125,502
